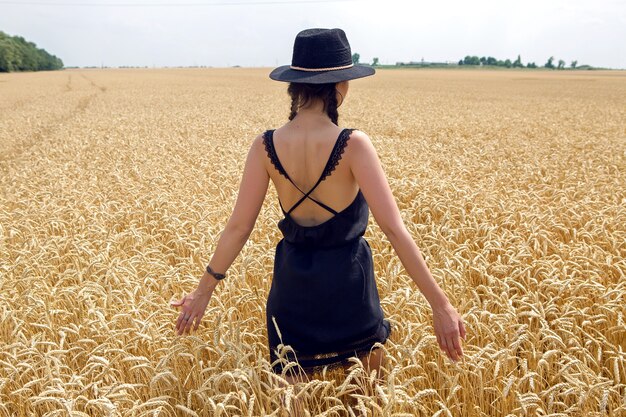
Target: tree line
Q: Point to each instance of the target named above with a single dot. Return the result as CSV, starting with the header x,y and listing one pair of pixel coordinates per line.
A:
x,y
474,60
489,60
18,54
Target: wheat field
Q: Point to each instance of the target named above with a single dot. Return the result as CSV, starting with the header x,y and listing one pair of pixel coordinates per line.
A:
x,y
116,183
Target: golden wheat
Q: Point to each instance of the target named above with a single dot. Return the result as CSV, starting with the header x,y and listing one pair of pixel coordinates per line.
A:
x,y
115,186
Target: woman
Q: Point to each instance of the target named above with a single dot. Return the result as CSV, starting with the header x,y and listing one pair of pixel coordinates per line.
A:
x,y
323,300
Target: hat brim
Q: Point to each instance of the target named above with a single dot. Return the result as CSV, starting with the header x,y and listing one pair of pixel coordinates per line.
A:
x,y
285,73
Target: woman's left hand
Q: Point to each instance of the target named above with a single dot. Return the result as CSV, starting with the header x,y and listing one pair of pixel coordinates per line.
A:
x,y
193,306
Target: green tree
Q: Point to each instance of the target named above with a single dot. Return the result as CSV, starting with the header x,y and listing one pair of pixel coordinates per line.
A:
x,y
355,58
531,65
518,62
573,64
508,63
492,61
18,54
549,64
375,61
9,59
561,64
471,60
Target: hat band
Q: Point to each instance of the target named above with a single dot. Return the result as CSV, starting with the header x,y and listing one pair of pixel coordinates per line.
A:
x,y
321,69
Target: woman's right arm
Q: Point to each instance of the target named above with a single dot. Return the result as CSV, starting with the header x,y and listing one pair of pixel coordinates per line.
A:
x,y
368,172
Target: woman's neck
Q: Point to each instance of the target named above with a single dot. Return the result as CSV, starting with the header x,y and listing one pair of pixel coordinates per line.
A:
x,y
315,108
311,118
313,113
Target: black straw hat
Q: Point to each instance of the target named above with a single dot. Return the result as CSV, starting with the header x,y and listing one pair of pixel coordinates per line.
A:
x,y
321,56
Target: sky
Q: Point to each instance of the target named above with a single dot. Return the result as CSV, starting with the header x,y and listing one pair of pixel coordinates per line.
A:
x,y
260,33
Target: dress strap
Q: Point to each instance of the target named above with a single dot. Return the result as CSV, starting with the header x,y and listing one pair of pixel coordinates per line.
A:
x,y
333,160
335,154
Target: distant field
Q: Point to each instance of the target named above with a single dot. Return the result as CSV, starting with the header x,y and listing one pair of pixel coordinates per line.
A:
x,y
115,185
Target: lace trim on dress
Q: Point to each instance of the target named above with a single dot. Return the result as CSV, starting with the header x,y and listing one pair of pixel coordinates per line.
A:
x,y
271,153
338,360
330,360
338,150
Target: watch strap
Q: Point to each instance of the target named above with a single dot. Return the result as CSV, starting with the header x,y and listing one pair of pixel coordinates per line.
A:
x,y
216,275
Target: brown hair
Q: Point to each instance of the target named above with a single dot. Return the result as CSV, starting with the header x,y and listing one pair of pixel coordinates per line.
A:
x,y
302,94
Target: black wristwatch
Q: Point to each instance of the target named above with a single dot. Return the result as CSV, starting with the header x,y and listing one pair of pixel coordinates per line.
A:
x,y
215,274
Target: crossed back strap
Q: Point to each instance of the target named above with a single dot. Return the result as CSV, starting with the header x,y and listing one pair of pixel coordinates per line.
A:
x,y
333,160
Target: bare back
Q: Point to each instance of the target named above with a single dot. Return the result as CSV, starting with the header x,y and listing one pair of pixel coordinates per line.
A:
x,y
304,155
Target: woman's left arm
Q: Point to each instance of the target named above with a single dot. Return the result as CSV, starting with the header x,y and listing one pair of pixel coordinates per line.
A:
x,y
252,191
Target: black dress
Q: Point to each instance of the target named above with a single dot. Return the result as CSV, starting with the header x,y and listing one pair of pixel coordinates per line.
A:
x,y
323,296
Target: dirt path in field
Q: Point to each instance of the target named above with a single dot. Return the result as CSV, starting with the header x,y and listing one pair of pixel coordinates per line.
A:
x,y
33,111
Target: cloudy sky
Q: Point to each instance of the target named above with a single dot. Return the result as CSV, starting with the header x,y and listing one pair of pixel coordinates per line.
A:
x,y
260,33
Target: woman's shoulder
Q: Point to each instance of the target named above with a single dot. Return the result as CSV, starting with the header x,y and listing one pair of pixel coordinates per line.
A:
x,y
359,147
260,143
358,134
359,138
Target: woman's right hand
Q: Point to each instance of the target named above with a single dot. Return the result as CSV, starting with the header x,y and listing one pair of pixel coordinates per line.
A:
x,y
448,326
193,306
